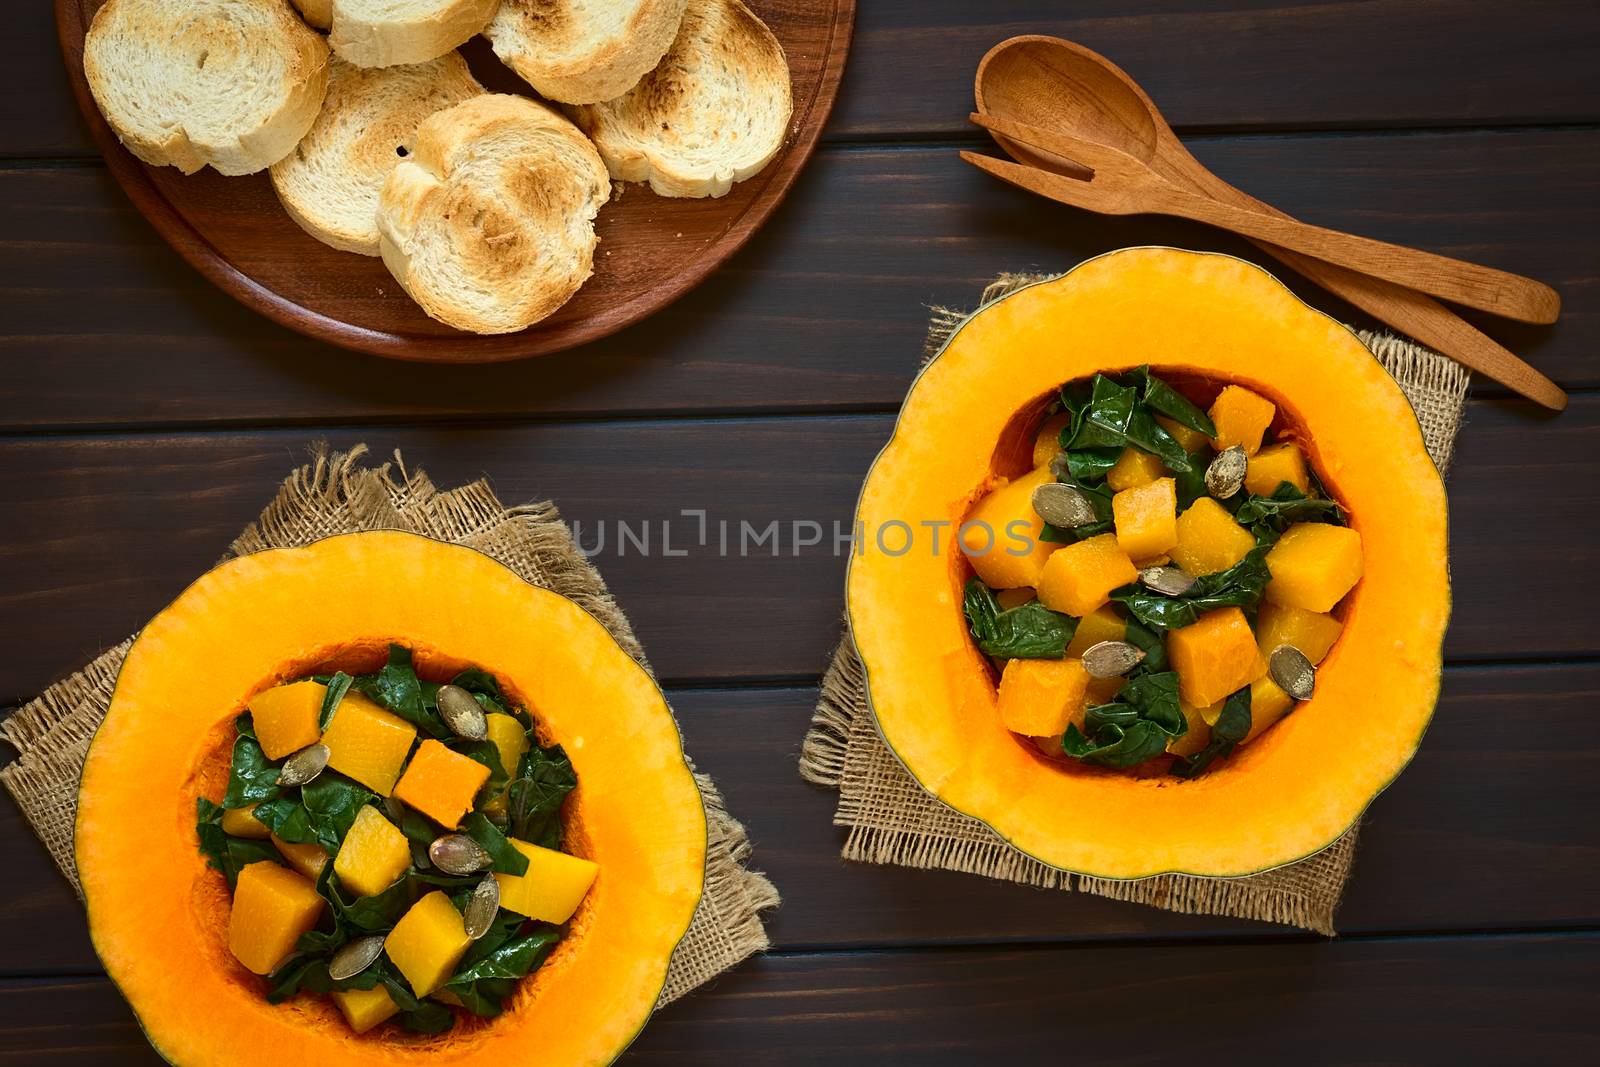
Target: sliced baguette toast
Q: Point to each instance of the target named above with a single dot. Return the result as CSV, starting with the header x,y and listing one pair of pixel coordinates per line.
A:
x,y
583,51
317,12
186,83
714,112
489,223
386,33
330,183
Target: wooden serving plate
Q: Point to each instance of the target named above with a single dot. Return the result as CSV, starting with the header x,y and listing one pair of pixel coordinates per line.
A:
x,y
652,249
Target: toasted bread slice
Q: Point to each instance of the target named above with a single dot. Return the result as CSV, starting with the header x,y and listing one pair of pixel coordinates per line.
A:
x,y
317,12
386,33
713,113
185,83
489,223
583,51
330,183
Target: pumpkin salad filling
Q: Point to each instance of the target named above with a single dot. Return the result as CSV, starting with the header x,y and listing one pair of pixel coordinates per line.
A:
x,y
1161,586
394,843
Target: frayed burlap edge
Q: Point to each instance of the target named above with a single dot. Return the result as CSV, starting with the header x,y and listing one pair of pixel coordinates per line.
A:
x,y
337,493
890,818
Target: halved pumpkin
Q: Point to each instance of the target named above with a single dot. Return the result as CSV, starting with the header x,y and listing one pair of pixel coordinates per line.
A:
x,y
1202,316
159,916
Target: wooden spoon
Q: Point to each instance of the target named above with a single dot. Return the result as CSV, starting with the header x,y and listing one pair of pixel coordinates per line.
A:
x,y
1056,84
1122,185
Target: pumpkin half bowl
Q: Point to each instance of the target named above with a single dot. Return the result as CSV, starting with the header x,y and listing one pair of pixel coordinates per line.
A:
x,y
970,416
159,916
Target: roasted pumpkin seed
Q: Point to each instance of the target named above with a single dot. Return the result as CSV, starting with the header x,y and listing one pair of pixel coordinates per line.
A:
x,y
1226,473
1170,581
1063,506
458,854
462,713
1111,659
305,765
354,957
482,907
1293,672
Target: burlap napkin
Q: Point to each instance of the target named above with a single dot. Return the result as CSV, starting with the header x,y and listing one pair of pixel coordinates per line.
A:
x,y
338,494
892,819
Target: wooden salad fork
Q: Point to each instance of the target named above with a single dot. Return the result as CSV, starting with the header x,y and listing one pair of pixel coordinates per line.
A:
x,y
1119,184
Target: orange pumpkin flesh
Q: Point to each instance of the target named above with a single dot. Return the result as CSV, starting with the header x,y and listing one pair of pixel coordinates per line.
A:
x,y
1297,788
156,912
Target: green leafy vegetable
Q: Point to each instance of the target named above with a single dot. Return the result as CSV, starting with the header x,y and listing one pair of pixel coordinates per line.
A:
x,y
507,860
1239,586
321,813
397,688
533,799
1270,516
496,962
428,1017
223,851
338,686
1231,727
1133,728
251,778
1028,631
1113,417
1162,398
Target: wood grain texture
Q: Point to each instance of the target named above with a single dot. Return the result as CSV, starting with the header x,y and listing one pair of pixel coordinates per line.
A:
x,y
1513,999
825,309
1488,829
652,249
1242,63
103,531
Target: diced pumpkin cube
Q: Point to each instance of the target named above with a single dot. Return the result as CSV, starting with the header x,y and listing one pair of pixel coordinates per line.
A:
x,y
1101,624
1135,467
509,737
1014,598
1153,561
1001,534
1274,465
428,942
1268,704
1311,632
553,887
1189,440
1039,697
367,743
1198,735
272,907
242,822
1103,690
1047,442
1313,565
441,783
1215,656
308,859
1080,577
1146,518
285,717
373,855
1209,540
365,1008
1241,418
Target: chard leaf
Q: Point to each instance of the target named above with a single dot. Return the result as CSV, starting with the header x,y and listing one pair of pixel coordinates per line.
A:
x,y
483,983
507,860
1028,631
1090,465
484,687
1239,586
332,802
1270,516
488,754
397,688
533,799
428,1017
1146,433
1133,728
1120,747
338,686
251,778
223,851
1231,727
372,914
1165,400
1103,421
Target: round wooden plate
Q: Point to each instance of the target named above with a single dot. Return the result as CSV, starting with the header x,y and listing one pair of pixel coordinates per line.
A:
x,y
652,249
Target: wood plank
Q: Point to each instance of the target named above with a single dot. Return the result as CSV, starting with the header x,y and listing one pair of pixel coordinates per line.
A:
x,y
1488,829
1220,63
1471,1000
101,532
826,308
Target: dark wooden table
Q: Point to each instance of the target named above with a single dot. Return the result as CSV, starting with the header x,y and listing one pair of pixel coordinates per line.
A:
x,y
146,418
